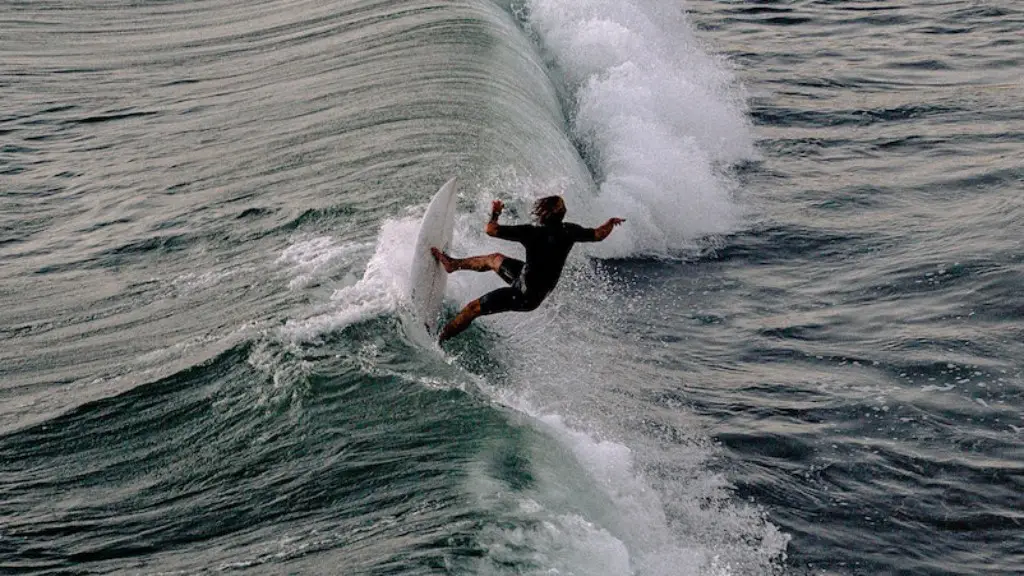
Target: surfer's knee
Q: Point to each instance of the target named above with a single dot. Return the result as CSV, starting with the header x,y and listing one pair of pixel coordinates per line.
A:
x,y
468,313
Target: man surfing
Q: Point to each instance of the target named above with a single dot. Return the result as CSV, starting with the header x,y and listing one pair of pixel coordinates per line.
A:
x,y
547,246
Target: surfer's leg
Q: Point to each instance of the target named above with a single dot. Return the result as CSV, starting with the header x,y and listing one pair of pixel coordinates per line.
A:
x,y
496,301
485,263
500,300
461,321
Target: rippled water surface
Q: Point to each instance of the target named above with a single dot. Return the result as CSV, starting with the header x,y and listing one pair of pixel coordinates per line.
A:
x,y
800,355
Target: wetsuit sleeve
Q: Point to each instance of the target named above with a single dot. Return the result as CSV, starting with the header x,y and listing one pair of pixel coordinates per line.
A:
x,y
580,234
519,233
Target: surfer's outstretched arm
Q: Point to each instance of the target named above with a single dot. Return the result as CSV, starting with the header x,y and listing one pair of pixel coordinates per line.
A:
x,y
605,230
596,234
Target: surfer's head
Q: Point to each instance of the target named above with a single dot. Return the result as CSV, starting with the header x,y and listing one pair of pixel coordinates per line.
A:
x,y
549,210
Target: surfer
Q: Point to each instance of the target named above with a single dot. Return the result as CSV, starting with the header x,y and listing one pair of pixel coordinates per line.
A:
x,y
547,246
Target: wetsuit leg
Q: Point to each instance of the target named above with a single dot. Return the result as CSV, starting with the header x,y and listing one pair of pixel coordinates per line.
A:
x,y
510,269
501,300
507,300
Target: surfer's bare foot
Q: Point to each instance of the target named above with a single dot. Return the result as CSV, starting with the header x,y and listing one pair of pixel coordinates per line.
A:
x,y
443,259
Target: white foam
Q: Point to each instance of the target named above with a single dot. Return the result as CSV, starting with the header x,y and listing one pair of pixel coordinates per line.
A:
x,y
314,259
660,117
550,526
383,288
590,511
554,544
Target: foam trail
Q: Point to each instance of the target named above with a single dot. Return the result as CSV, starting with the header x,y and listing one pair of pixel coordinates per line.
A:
x,y
383,288
658,118
317,258
612,520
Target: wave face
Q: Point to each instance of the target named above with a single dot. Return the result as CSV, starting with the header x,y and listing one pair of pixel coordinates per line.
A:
x,y
206,236
800,354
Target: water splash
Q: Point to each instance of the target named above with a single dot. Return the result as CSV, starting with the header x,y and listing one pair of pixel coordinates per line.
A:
x,y
659,120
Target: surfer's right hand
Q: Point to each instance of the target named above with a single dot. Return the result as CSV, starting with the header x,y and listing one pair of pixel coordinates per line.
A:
x,y
497,206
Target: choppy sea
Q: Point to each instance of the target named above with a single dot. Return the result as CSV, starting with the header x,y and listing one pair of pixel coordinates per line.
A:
x,y
802,353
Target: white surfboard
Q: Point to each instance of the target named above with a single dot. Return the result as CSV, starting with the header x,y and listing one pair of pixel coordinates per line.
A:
x,y
427,279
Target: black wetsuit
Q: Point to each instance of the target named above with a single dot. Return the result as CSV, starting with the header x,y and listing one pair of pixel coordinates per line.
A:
x,y
547,247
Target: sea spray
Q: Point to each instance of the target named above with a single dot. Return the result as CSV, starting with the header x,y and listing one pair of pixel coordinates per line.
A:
x,y
659,120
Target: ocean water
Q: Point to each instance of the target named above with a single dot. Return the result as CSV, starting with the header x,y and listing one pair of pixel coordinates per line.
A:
x,y
800,355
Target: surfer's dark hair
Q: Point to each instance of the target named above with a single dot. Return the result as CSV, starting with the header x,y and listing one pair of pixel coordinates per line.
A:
x,y
549,210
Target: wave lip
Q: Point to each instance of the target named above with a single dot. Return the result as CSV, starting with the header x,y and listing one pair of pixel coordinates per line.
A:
x,y
658,120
